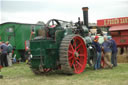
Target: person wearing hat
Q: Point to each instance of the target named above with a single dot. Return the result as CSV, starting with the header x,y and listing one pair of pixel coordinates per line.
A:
x,y
106,46
114,51
98,50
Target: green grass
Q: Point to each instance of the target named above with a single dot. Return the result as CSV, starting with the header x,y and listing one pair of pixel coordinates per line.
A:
x,y
20,74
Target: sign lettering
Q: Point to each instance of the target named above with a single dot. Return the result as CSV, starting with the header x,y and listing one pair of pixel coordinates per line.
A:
x,y
112,22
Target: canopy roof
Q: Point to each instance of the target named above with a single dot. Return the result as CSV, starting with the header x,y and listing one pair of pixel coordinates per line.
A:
x,y
118,28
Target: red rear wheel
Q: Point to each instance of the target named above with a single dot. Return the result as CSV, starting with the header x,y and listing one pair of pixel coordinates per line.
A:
x,y
76,53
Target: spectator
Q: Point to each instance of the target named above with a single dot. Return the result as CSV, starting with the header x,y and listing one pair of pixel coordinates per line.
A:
x,y
106,46
0,53
28,57
4,49
98,49
9,55
114,51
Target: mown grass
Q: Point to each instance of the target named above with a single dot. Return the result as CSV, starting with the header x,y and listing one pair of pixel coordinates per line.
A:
x,y
20,74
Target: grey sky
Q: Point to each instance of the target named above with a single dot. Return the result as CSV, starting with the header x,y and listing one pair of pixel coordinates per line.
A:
x,y
32,11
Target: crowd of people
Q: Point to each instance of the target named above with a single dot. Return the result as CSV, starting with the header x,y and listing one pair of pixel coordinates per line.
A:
x,y
5,54
107,50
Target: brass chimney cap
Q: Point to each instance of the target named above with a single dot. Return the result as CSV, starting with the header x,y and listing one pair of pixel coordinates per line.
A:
x,y
85,8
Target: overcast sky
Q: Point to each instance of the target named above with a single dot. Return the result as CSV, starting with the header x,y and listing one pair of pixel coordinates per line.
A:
x,y
32,11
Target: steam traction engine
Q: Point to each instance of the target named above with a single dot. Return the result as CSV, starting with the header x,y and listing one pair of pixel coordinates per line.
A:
x,y
62,45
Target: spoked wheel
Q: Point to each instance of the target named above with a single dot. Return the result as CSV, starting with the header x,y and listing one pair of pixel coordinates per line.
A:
x,y
35,71
73,54
102,61
44,71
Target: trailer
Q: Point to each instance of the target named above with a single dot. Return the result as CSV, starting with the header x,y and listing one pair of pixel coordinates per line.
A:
x,y
120,35
18,34
117,28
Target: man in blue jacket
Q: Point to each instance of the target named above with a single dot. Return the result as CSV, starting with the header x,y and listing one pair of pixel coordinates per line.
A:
x,y
114,51
4,49
106,46
98,49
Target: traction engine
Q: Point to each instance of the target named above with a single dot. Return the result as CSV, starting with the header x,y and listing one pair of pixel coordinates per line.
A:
x,y
64,46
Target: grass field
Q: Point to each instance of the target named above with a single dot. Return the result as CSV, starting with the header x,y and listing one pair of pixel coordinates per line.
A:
x,y
20,74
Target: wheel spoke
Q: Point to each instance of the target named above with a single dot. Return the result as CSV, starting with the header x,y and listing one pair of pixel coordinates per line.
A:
x,y
79,64
79,50
74,67
70,57
78,58
69,54
78,46
72,47
69,51
72,62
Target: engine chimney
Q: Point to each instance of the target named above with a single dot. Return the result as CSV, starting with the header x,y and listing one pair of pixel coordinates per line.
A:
x,y
85,15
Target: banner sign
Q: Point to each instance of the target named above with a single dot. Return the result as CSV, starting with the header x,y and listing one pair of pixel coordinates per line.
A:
x,y
113,21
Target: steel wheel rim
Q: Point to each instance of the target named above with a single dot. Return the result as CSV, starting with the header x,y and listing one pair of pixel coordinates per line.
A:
x,y
77,54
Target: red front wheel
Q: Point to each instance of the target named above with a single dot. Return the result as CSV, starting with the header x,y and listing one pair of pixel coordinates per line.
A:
x,y
102,61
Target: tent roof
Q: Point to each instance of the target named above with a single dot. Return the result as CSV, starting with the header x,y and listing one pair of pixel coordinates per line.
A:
x,y
118,28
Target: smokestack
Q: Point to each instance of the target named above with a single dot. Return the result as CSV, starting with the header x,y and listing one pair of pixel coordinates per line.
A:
x,y
85,15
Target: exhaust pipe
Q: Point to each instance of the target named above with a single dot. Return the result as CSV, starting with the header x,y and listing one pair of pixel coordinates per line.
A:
x,y
85,15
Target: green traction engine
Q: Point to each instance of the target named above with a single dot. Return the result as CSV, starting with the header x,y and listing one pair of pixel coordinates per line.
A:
x,y
62,46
